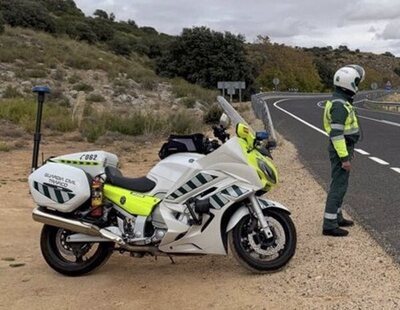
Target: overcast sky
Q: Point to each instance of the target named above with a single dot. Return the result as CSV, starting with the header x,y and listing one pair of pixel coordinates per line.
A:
x,y
365,24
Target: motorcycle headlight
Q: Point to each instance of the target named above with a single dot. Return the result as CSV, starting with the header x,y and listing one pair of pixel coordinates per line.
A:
x,y
269,173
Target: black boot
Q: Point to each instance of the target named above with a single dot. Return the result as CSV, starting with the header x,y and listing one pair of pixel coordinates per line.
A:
x,y
336,232
346,223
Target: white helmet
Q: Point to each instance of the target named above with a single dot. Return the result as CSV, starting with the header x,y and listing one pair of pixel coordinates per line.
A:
x,y
349,77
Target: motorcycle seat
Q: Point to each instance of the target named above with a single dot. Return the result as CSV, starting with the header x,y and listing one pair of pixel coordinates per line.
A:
x,y
141,185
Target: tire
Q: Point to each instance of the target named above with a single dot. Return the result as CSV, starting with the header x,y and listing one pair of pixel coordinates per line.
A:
x,y
244,251
55,256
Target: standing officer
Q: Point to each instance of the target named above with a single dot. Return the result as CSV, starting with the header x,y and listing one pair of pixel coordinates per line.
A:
x,y
341,124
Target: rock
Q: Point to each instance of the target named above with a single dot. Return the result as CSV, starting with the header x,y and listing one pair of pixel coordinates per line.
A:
x,y
174,107
196,112
73,93
26,84
199,105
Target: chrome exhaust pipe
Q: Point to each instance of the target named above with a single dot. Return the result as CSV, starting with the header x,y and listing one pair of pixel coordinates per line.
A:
x,y
72,225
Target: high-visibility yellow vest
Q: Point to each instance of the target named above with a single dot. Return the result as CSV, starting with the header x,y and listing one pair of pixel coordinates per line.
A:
x,y
350,127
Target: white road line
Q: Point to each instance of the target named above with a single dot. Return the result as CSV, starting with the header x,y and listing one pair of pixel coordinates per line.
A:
x,y
378,160
297,118
396,169
362,152
391,123
380,121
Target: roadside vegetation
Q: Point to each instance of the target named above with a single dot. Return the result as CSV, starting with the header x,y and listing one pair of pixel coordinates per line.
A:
x,y
22,111
136,80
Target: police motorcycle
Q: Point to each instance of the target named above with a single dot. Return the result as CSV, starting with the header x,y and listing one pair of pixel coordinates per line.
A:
x,y
201,198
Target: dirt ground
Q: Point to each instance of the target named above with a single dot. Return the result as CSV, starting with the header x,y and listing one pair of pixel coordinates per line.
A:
x,y
326,273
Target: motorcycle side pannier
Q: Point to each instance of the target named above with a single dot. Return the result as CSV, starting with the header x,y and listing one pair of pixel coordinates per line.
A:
x,y
59,187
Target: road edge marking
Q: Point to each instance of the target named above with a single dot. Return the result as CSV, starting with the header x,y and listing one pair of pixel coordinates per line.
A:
x,y
298,118
362,152
378,160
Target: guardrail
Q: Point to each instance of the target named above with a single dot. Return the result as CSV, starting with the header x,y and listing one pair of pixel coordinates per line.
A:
x,y
261,110
383,105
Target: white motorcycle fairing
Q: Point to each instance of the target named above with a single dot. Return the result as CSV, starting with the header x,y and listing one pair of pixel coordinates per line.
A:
x,y
226,179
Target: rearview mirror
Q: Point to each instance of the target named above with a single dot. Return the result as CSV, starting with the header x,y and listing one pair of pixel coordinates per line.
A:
x,y
262,135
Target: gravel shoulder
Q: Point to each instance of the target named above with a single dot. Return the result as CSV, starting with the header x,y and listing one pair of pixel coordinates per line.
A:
x,y
326,273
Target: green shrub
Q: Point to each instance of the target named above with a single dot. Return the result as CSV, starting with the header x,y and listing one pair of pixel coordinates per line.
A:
x,y
74,78
92,130
188,102
83,87
23,112
181,88
184,123
212,115
11,92
95,98
4,147
149,84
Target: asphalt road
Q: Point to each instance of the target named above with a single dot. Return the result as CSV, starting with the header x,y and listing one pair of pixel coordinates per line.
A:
x,y
373,198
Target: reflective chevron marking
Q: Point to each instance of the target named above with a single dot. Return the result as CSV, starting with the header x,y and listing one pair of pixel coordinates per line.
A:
x,y
234,191
56,194
218,201
197,181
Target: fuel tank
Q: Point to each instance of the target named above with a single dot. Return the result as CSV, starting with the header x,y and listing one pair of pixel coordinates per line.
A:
x,y
169,170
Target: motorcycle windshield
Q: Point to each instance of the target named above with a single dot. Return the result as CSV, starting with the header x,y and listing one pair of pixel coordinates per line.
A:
x,y
233,115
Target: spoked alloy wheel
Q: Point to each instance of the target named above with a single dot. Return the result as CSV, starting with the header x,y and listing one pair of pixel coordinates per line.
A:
x,y
72,259
254,251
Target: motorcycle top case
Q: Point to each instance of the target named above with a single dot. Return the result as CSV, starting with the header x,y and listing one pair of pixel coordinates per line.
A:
x,y
93,162
59,187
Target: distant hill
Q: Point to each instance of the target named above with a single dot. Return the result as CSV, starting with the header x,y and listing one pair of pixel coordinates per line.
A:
x,y
303,69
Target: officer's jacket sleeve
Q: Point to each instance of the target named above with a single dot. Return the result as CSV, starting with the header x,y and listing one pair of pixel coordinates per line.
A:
x,y
338,119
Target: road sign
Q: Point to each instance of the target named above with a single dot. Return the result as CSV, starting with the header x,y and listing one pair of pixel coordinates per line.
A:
x,y
231,87
388,85
276,81
231,91
227,85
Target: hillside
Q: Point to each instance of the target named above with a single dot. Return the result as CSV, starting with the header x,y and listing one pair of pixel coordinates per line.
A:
x,y
110,93
312,69
379,68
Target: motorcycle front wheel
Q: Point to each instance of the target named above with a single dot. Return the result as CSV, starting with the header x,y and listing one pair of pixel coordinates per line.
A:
x,y
254,251
72,259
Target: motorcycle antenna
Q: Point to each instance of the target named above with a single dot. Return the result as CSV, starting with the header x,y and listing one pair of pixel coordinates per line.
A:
x,y
41,94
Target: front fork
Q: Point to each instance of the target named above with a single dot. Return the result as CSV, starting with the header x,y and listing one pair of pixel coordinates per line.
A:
x,y
255,205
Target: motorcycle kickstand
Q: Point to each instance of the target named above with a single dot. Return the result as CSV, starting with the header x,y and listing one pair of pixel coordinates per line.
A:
x,y
172,260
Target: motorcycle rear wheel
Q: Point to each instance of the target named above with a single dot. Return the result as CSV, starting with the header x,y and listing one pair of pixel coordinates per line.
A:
x,y
258,254
72,259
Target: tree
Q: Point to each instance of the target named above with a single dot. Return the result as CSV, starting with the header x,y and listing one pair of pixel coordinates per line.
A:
x,y
100,14
63,7
25,13
112,17
132,23
204,57
1,23
263,39
82,31
102,28
389,54
121,44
